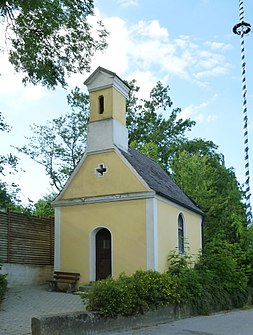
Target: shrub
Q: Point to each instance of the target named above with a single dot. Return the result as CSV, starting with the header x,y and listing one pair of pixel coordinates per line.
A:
x,y
218,281
111,297
155,289
3,286
229,275
129,295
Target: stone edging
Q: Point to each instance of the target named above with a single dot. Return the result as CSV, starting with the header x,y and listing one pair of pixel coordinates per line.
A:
x,y
80,323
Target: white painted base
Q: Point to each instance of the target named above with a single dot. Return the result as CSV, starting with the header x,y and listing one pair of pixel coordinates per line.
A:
x,y
104,135
22,274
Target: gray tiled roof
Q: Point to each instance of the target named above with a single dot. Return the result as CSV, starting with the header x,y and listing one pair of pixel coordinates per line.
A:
x,y
158,180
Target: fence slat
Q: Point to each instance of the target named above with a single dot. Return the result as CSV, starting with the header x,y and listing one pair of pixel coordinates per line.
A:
x,y
26,239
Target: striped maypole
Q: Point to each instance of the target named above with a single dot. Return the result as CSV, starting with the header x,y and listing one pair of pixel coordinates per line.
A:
x,y
241,29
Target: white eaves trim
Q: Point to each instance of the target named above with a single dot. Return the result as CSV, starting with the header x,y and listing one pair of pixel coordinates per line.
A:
x,y
104,198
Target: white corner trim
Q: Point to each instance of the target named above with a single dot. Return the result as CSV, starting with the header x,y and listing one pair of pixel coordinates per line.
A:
x,y
152,234
57,239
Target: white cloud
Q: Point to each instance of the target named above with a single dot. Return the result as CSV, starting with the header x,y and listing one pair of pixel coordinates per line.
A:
x,y
145,80
115,57
34,93
186,112
118,44
197,113
151,29
201,118
213,72
143,48
218,46
11,81
127,3
149,46
144,51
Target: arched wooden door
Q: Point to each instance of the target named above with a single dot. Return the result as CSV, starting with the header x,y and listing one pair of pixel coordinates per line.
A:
x,y
103,254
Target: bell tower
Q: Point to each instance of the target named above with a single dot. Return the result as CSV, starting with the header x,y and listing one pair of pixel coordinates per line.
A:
x,y
107,125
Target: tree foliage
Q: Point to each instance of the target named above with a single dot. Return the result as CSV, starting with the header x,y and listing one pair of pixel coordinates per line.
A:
x,y
204,177
154,128
217,281
8,193
43,208
51,39
6,199
6,160
59,145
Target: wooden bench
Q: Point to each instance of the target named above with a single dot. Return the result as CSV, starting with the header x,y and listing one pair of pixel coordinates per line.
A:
x,y
70,278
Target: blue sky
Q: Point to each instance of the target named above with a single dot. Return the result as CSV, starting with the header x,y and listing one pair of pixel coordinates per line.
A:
x,y
187,44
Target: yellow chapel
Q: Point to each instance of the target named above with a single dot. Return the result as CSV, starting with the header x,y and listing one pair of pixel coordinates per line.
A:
x,y
119,211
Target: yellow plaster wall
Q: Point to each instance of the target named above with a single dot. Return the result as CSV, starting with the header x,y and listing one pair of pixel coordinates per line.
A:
x,y
168,234
118,179
114,105
125,219
119,107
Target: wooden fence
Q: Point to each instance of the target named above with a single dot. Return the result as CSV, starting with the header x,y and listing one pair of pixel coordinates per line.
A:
x,y
26,239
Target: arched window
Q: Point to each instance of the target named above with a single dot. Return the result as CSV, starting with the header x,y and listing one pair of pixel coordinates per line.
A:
x,y
101,104
181,237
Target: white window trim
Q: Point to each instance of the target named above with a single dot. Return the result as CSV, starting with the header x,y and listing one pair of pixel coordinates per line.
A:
x,y
92,251
57,243
184,234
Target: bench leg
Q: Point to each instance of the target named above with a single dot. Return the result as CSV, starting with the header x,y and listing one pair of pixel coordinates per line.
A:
x,y
71,287
53,286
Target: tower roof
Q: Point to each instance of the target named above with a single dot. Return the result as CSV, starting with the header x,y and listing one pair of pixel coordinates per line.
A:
x,y
103,78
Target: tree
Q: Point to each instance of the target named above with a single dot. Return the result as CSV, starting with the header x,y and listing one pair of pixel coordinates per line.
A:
x,y
9,197
215,188
154,128
8,160
50,39
6,199
199,146
8,193
43,208
59,145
